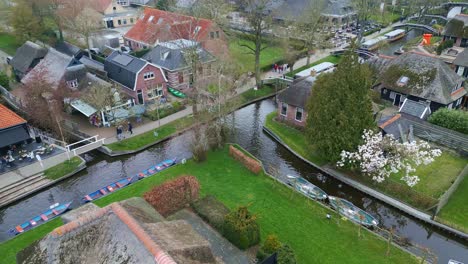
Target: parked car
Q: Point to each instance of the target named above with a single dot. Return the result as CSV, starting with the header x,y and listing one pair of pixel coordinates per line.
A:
x,y
125,49
8,59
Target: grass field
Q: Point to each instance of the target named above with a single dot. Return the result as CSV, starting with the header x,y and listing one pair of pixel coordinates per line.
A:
x,y
246,60
62,169
297,221
8,43
455,212
329,58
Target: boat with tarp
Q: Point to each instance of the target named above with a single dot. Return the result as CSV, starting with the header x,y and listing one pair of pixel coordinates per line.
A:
x,y
157,168
176,93
352,212
53,211
306,188
395,35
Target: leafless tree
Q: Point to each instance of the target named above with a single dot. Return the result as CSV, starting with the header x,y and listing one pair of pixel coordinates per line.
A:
x,y
215,10
102,97
364,10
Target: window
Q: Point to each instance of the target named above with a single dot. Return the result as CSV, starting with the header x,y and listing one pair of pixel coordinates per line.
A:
x,y
148,75
217,34
181,77
114,8
197,29
122,2
131,20
119,22
459,101
73,83
392,95
125,21
284,109
403,81
299,113
155,92
212,35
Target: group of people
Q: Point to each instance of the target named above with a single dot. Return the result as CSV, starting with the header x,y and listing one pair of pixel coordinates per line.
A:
x,y
120,131
280,68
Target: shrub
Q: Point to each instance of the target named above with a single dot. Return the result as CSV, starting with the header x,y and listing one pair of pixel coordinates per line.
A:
x,y
452,119
139,53
250,163
4,80
271,244
173,195
241,228
165,111
444,45
211,210
286,255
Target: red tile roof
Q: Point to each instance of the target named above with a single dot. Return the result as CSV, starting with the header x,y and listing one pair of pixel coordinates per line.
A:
x,y
390,121
164,26
9,118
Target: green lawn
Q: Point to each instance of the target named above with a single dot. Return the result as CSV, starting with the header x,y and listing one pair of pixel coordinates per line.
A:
x,y
297,221
294,138
11,247
251,94
62,169
8,43
246,60
454,213
330,58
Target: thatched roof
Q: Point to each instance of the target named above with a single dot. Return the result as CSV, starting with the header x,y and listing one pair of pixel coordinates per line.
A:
x,y
457,27
298,93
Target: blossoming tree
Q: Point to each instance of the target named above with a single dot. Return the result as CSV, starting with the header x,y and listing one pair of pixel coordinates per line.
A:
x,y
380,156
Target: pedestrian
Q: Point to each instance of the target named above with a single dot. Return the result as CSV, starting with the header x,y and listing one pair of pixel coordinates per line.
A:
x,y
119,132
281,68
130,128
276,67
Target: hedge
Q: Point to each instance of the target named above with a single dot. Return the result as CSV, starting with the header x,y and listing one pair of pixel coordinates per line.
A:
x,y
241,228
4,80
286,255
211,210
444,45
250,163
452,119
166,111
173,195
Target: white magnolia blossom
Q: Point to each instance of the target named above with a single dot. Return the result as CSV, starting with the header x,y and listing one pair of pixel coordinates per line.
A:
x,y
380,156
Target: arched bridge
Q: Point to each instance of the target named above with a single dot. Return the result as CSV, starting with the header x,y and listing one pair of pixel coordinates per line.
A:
x,y
454,4
364,53
425,28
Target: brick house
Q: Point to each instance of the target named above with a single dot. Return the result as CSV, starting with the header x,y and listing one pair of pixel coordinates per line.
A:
x,y
139,79
156,26
171,57
116,13
292,102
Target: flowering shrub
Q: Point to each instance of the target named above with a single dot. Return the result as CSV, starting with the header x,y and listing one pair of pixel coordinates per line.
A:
x,y
380,156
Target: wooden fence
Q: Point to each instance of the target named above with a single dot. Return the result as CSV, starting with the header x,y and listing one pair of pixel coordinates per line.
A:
x,y
446,196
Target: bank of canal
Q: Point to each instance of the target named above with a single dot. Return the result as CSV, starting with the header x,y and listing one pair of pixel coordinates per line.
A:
x,y
248,123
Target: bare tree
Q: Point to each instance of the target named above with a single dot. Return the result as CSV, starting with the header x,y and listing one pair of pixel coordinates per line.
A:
x,y
364,10
258,14
215,10
103,98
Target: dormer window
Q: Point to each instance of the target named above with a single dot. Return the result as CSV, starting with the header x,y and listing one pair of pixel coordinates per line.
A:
x,y
403,81
165,55
151,18
197,29
148,76
73,84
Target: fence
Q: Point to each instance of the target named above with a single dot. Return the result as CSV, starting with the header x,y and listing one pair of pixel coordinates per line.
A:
x,y
91,143
446,196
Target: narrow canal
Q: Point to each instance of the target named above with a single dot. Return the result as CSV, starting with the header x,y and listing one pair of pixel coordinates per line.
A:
x,y
396,45
248,133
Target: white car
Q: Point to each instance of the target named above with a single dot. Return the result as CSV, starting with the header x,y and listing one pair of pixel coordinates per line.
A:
x,y
125,49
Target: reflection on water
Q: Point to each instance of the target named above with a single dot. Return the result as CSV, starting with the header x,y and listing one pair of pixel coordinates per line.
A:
x,y
247,131
394,46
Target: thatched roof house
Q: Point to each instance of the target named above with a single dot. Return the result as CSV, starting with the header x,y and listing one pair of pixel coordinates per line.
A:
x,y
457,30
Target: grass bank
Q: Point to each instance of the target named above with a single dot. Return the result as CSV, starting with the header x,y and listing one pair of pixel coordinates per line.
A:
x,y
454,213
11,247
8,43
62,169
297,221
330,58
436,178
242,55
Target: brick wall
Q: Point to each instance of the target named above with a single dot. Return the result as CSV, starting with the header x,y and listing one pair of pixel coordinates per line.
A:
x,y
146,85
290,117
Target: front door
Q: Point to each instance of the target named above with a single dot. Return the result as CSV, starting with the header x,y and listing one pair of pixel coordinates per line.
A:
x,y
110,23
140,97
397,100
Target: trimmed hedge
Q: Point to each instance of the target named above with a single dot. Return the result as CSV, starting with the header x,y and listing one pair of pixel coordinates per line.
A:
x,y
452,119
173,195
166,111
241,228
250,163
444,45
4,80
286,255
211,210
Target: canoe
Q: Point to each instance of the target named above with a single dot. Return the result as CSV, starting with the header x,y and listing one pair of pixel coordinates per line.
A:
x,y
157,168
452,261
306,188
176,93
53,211
352,212
108,189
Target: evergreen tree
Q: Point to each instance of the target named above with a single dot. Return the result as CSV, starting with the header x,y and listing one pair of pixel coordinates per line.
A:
x,y
164,5
340,108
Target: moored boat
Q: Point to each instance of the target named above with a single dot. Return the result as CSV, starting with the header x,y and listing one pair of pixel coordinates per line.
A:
x,y
157,168
395,35
373,44
176,93
53,211
108,189
306,188
352,212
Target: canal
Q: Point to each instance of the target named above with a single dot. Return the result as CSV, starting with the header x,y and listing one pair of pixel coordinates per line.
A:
x,y
247,131
396,45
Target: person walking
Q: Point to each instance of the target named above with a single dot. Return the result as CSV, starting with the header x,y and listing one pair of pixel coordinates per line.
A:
x,y
130,128
119,132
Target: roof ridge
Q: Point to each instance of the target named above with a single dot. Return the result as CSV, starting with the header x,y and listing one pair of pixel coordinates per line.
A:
x,y
390,121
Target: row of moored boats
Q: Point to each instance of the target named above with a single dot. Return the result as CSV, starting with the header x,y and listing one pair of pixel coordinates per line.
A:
x,y
58,209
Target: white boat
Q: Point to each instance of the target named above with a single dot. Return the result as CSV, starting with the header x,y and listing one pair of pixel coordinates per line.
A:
x,y
373,44
395,35
316,70
454,262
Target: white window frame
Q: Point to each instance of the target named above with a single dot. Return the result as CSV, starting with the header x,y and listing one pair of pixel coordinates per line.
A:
x,y
148,76
392,95
73,83
459,101
155,92
302,114
286,111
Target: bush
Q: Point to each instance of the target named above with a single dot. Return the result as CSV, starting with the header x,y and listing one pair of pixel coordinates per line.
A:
x,y
212,211
173,195
241,228
4,80
286,255
250,163
452,119
139,53
166,111
271,244
444,45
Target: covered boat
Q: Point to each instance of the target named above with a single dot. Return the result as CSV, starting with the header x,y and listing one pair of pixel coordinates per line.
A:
x,y
395,35
54,211
307,188
373,44
108,189
157,168
176,93
352,212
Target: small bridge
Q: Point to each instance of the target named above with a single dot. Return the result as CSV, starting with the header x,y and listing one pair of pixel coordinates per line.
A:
x,y
363,53
85,145
425,28
454,4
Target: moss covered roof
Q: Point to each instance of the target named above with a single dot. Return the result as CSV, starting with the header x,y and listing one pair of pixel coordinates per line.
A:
x,y
457,26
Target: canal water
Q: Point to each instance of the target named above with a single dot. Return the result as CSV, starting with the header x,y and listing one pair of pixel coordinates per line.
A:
x,y
248,133
394,46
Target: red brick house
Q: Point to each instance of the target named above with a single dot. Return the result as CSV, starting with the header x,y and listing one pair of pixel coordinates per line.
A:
x,y
292,102
139,79
156,26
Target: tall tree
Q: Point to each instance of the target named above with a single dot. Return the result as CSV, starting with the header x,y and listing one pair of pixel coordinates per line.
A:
x,y
364,10
215,10
25,23
305,27
165,5
340,108
258,14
